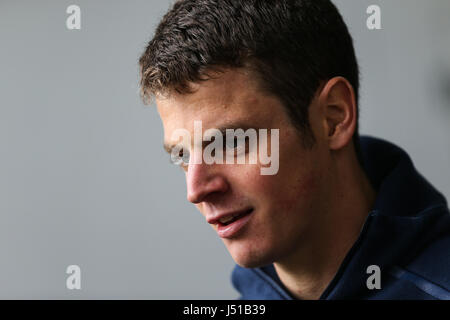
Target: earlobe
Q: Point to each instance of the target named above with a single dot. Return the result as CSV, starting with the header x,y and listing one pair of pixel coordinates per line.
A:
x,y
338,100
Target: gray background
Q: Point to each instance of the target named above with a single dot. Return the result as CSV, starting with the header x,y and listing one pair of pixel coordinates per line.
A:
x,y
84,179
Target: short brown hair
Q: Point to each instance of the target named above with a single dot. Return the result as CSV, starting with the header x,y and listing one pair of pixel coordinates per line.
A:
x,y
293,45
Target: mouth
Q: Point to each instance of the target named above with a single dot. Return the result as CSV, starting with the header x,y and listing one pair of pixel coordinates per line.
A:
x,y
229,225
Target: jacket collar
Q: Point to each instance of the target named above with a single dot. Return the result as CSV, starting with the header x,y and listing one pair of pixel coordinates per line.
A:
x,y
406,211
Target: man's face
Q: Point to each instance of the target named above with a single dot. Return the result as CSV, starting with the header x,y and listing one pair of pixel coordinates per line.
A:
x,y
276,213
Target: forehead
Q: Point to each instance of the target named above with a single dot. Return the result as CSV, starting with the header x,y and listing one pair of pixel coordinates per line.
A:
x,y
232,97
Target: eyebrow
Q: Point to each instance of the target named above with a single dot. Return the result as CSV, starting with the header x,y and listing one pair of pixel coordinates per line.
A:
x,y
222,128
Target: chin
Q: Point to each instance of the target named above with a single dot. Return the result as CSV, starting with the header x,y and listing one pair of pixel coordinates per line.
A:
x,y
249,256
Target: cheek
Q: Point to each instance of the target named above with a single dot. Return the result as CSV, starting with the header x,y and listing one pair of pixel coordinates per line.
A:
x,y
287,195
280,194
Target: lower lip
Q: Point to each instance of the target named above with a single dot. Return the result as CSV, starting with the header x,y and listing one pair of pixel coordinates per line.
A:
x,y
230,230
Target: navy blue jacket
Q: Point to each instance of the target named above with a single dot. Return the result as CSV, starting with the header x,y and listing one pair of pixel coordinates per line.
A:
x,y
407,234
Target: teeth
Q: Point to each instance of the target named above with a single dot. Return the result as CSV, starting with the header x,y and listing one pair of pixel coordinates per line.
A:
x,y
227,219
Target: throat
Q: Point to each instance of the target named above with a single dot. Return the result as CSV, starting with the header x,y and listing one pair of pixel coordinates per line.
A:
x,y
305,286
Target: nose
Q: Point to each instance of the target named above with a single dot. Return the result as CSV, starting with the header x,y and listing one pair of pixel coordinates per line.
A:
x,y
203,180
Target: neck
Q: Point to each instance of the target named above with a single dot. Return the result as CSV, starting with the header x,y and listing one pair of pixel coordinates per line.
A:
x,y
307,271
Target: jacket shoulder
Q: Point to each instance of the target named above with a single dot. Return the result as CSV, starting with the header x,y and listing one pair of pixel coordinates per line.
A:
x,y
429,269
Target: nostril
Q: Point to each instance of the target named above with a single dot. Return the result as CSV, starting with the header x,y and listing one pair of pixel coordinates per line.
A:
x,y
198,190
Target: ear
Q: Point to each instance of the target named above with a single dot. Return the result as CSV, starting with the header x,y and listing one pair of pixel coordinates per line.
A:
x,y
337,99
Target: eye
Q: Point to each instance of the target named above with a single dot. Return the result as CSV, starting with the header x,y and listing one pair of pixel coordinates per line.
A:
x,y
185,157
233,144
237,144
179,156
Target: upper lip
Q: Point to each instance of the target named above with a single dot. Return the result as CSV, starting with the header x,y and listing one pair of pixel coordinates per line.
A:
x,y
214,219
